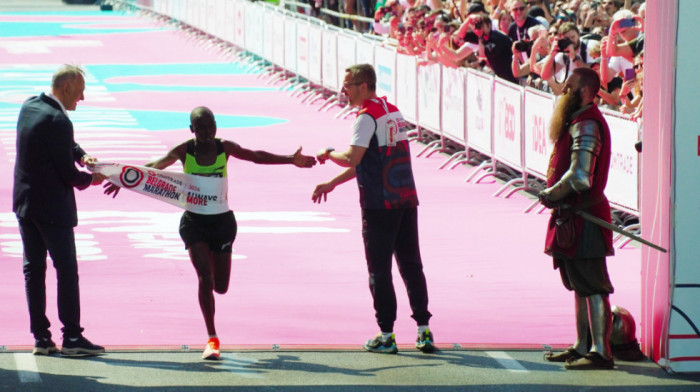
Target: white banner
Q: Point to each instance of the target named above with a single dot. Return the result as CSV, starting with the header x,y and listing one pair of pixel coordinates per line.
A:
x,y
220,18
479,105
406,87
454,82
253,27
230,23
330,60
269,32
385,67
622,188
507,125
303,49
315,54
290,44
209,17
429,96
346,55
188,12
365,51
538,111
239,23
199,194
278,39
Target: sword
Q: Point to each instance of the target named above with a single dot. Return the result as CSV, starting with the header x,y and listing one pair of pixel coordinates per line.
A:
x,y
600,222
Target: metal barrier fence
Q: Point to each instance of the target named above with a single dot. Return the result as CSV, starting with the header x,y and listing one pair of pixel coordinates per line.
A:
x,y
470,114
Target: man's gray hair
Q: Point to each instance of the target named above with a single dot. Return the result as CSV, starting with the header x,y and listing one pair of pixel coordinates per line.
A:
x,y
67,73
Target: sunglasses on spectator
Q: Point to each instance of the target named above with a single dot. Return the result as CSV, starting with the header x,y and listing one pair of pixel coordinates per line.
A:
x,y
345,85
638,66
518,9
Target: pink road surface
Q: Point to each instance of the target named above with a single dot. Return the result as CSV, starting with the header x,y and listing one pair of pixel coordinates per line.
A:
x,y
298,275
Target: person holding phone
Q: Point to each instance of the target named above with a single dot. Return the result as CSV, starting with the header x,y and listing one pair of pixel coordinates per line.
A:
x,y
625,35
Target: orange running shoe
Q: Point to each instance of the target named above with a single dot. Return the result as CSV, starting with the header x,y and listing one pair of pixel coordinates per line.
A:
x,y
212,351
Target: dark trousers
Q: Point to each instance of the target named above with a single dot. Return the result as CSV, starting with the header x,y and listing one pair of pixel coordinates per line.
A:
x,y
59,241
388,233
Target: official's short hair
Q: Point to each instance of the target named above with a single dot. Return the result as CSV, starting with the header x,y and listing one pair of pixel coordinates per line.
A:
x,y
67,73
363,73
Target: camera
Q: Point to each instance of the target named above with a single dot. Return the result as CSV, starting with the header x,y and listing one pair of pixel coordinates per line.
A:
x,y
523,46
563,44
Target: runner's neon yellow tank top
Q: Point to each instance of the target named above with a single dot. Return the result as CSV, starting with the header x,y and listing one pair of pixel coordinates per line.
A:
x,y
218,169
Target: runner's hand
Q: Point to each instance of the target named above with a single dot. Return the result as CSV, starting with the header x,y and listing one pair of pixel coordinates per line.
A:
x,y
111,189
300,160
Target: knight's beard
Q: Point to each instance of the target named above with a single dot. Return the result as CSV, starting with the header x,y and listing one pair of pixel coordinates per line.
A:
x,y
567,104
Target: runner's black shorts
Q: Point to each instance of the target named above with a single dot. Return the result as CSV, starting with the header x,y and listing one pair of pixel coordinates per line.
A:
x,y
218,231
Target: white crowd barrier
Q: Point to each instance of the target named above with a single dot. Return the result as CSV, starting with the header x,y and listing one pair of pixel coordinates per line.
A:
x,y
503,121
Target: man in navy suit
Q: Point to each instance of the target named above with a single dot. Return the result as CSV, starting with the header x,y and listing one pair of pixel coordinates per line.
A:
x,y
44,202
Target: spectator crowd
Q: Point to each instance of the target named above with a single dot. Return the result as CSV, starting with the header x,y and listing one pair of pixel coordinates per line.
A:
x,y
535,43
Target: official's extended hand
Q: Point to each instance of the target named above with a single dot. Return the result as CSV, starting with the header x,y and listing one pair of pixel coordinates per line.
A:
x,y
300,160
321,192
87,160
97,178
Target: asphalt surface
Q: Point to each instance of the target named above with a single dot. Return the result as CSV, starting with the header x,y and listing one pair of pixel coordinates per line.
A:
x,y
334,371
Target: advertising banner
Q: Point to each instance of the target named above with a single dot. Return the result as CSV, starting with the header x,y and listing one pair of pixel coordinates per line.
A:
x,y
537,114
303,49
622,189
385,67
479,105
330,60
346,55
454,82
507,123
429,96
290,44
365,51
407,87
315,54
278,39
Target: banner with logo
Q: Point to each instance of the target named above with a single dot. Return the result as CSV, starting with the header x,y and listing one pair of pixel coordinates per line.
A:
x,y
199,194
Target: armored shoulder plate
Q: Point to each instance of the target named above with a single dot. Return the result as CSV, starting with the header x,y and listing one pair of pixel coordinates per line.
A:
x,y
586,136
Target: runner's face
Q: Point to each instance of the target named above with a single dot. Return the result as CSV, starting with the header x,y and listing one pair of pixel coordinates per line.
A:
x,y
204,128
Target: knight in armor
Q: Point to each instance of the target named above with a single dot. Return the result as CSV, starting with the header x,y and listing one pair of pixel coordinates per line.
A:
x,y
576,179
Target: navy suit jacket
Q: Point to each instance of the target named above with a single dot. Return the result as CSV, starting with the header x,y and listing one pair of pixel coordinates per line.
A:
x,y
45,172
